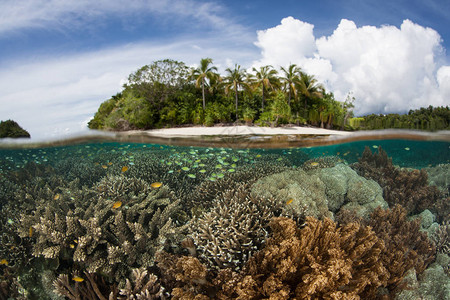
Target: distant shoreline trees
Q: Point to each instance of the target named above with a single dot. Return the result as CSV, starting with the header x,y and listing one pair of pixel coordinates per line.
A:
x,y
10,129
168,93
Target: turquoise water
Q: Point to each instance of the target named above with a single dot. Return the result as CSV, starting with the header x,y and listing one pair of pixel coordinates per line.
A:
x,y
80,219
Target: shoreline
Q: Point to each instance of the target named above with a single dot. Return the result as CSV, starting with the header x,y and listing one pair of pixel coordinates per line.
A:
x,y
238,130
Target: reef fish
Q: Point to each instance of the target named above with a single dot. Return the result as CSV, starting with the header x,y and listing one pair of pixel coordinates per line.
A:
x,y
289,201
314,164
124,169
156,185
104,166
30,232
57,196
4,262
117,204
77,279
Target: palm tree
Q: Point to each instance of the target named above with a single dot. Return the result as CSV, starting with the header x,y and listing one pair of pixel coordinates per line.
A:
x,y
234,80
203,72
309,88
265,78
291,79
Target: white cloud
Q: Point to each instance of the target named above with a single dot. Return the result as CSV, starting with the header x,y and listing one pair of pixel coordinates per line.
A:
x,y
50,97
68,14
388,69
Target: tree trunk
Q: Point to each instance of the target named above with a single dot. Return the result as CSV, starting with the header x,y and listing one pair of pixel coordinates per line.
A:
x,y
236,96
289,99
203,93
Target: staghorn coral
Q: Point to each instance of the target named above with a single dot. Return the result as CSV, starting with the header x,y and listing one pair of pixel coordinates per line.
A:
x,y
90,287
101,238
408,188
233,229
144,286
320,261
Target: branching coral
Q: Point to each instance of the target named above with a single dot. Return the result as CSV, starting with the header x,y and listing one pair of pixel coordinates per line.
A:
x,y
408,188
442,238
103,238
233,229
319,261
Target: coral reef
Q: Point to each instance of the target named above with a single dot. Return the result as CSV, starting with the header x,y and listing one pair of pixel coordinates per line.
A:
x,y
434,283
344,185
405,244
440,176
296,191
408,188
101,237
321,162
143,286
234,228
441,236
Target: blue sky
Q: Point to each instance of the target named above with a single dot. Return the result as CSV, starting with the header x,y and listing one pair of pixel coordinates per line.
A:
x,y
60,58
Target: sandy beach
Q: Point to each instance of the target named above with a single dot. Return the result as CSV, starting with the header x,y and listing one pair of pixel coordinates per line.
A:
x,y
242,130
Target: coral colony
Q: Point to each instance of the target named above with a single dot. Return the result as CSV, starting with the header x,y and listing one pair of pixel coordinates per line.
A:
x,y
118,221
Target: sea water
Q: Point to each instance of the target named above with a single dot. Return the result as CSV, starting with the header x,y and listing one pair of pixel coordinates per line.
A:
x,y
89,211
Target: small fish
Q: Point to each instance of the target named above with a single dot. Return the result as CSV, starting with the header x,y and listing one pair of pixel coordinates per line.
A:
x,y
231,170
314,164
57,196
4,262
77,279
75,241
110,163
170,171
407,149
117,204
191,175
124,169
156,185
71,246
212,179
202,171
259,155
289,201
104,166
30,232
375,146
185,169
346,153
10,221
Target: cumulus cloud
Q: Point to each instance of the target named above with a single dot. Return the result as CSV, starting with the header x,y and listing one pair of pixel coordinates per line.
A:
x,y
388,69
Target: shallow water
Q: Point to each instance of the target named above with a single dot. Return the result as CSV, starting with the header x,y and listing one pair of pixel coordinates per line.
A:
x,y
54,198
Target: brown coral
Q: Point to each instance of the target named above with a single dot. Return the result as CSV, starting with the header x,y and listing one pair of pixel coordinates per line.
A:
x,y
408,188
320,261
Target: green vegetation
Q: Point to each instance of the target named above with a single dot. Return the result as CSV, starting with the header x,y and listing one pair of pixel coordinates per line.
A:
x,y
10,129
168,93
430,119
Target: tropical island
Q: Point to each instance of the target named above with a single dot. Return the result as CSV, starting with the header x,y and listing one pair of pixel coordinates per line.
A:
x,y
168,93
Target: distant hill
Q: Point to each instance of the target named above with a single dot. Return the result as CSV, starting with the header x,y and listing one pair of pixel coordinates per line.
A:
x,y
10,129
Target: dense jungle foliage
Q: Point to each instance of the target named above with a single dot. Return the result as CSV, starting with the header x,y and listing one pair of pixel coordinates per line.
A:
x,y
10,129
168,93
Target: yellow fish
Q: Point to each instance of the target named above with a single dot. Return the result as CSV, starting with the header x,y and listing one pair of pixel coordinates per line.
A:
x,y
77,279
117,204
289,201
30,232
156,185
104,166
4,262
110,163
124,169
314,164
57,196
258,155
72,246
